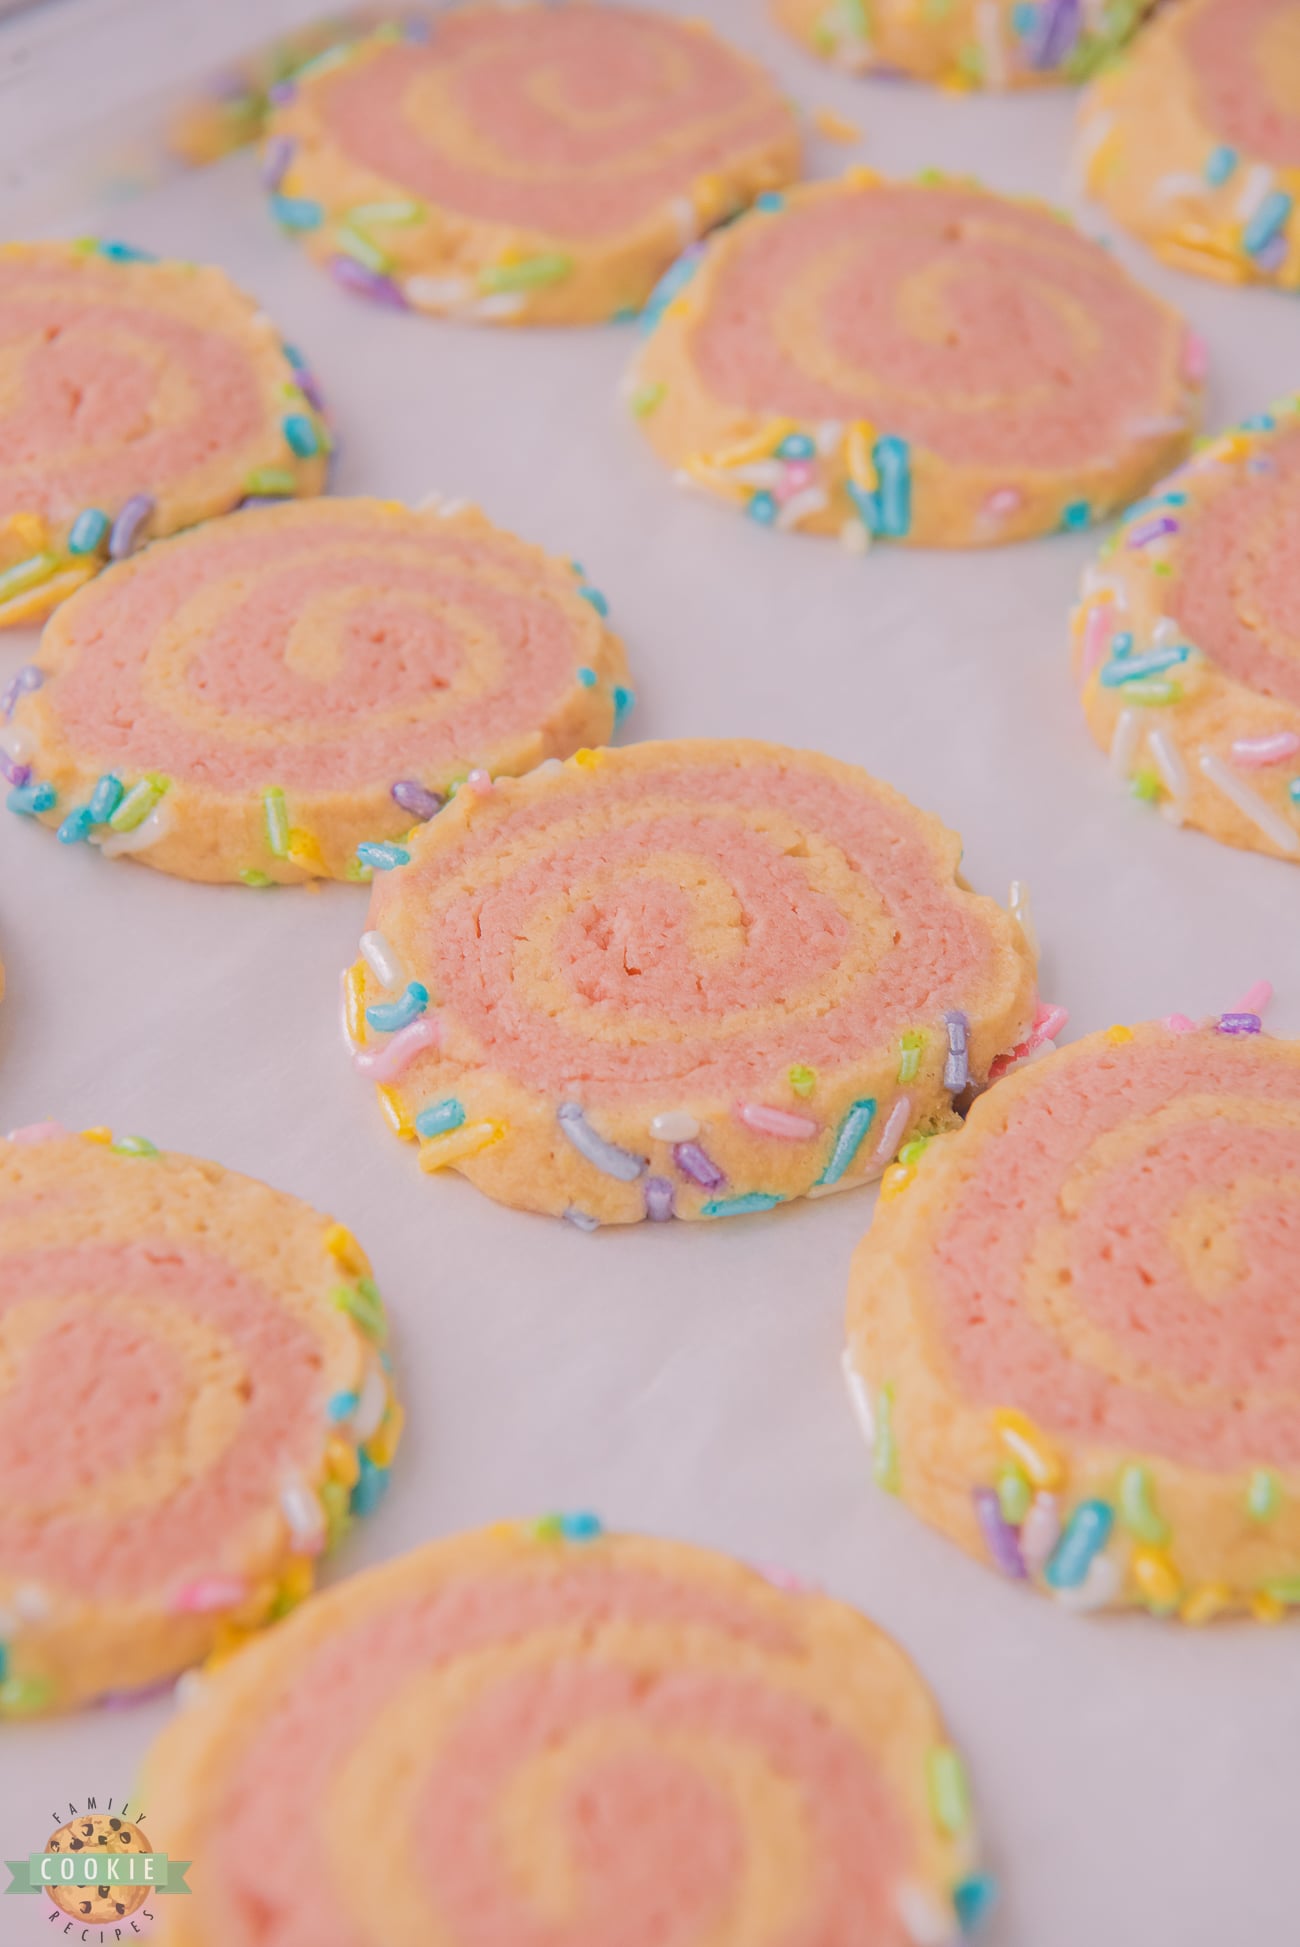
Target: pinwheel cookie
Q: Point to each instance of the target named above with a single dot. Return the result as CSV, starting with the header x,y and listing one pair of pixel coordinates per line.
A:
x,y
136,397
527,164
1073,1326
281,693
919,361
966,43
193,1404
1187,640
599,1738
684,979
1194,142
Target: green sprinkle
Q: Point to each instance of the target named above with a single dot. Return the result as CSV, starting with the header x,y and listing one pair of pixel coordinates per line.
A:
x,y
1137,1508
945,1777
1014,1496
21,1696
1286,1589
134,1146
802,1080
362,250
1160,568
910,1047
529,272
363,1303
28,574
363,214
334,1499
1146,786
276,813
252,878
271,480
647,397
549,1528
885,1461
1263,1495
913,1152
1159,690
137,804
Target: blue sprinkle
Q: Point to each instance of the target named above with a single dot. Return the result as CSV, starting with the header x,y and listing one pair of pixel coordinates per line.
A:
x,y
76,826
894,467
848,1141
386,1017
762,508
382,858
606,1156
1131,669
1086,1534
88,530
796,446
597,600
867,505
29,799
417,31
301,434
1294,790
1269,220
1078,514
769,199
1121,645
580,1219
973,1900
297,212
125,253
371,1486
1154,503
623,701
341,1406
294,356
741,1206
1220,164
105,798
581,1527
1261,422
587,677
4,1661
671,285
440,1118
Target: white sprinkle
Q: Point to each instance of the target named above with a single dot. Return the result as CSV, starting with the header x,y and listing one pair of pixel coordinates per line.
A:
x,y
1040,1531
674,1126
1258,184
892,1133
155,826
16,743
1173,774
1124,744
1166,633
810,501
31,1603
1168,189
855,537
1249,803
304,1514
686,217
828,436
372,1405
345,1013
381,960
1171,422
924,1921
859,1397
758,473
499,304
989,31
1022,913
190,1689
1097,1590
437,293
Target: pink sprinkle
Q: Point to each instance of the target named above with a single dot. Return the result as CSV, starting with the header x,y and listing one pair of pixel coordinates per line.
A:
x,y
1048,1022
38,1132
796,476
1096,637
1005,501
1255,999
1153,530
777,1122
784,1578
1196,358
892,1134
1255,752
396,1056
480,783
1178,1024
210,1592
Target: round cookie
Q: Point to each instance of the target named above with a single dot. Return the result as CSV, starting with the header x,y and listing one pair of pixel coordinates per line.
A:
x,y
193,1404
966,43
1187,640
526,164
922,362
99,1905
1193,143
280,694
599,1738
136,397
1072,1327
690,979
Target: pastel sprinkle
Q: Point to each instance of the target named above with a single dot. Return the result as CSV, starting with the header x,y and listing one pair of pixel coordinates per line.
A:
x,y
1029,1448
582,1526
30,800
369,1487
1268,221
125,531
587,677
297,212
362,1302
1086,1534
37,569
624,700
1003,1546
1263,1495
780,1123
87,531
381,959
276,157
973,1900
762,508
956,1068
692,1161
1039,1532
949,1790
1077,515
597,600
909,1062
341,1406
848,1139
660,1199
134,1146
1219,165
550,267
1239,1024
105,798
300,432
440,1118
209,1593
14,773
1015,1496
1137,1507
275,812
674,1126
801,1079
382,857
1248,802
271,483
386,1017
1256,752
76,826
884,1461
415,798
1131,669
362,249
580,1219
604,1156
365,282
29,677
742,1206
646,398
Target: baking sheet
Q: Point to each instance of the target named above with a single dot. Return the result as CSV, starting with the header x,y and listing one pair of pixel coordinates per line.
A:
x,y
1138,1785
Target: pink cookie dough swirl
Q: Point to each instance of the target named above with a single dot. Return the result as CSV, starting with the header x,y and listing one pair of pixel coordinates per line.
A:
x,y
1186,640
523,165
688,979
194,1404
285,693
1194,143
136,397
1074,1337
599,1738
922,362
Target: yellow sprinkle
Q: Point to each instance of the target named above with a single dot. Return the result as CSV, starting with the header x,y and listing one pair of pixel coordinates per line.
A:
x,y
698,467
37,602
836,128
759,445
97,1135
679,308
304,850
588,759
296,1583
381,1446
394,1114
1030,1447
861,177
345,1250
354,1002
1206,262
1203,1604
1266,1608
342,1462
443,1151
1157,1578
1117,1036
229,1638
29,529
895,1180
858,443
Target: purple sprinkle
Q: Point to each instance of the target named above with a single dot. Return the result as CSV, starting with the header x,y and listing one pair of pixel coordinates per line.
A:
x,y
1239,1024
280,92
692,1162
659,1199
260,500
1273,255
29,677
1004,1543
126,528
276,159
414,798
956,1069
127,1699
366,283
1058,30
1152,531
15,774
309,386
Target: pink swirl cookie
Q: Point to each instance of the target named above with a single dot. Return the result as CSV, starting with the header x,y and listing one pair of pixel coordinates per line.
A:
x,y
193,1404
966,43
525,164
137,398
1194,142
1072,1335
1187,640
921,362
280,694
687,979
601,1740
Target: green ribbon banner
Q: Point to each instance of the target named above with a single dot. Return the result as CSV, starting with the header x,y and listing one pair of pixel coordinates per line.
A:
x,y
41,1870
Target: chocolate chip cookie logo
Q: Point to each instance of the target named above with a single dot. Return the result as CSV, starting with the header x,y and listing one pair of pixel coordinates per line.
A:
x,y
100,1872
